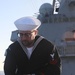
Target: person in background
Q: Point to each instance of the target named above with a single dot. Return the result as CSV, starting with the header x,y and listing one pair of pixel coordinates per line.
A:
x,y
31,53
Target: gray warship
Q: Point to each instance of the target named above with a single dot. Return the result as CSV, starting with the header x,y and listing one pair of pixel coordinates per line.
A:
x,y
58,26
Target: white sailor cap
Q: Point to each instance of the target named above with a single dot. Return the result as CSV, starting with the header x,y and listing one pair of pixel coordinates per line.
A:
x,y
27,23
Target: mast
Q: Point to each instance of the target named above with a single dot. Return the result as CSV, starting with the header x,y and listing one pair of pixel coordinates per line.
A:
x,y
56,4
53,5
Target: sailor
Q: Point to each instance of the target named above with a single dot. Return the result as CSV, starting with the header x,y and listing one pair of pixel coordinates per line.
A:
x,y
31,54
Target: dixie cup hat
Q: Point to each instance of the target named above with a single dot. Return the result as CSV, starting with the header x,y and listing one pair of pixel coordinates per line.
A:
x,y
27,23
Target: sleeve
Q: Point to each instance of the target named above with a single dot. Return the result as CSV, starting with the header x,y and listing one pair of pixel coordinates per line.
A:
x,y
10,63
54,64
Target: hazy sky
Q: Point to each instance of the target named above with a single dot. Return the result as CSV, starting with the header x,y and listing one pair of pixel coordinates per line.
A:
x,y
10,10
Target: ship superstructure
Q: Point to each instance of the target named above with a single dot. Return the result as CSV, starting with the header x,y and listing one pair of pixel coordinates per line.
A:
x,y
60,28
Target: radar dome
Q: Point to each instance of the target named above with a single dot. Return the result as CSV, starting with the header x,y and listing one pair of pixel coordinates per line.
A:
x,y
46,8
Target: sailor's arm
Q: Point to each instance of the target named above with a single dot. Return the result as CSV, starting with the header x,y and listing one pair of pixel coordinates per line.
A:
x,y
54,65
9,63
